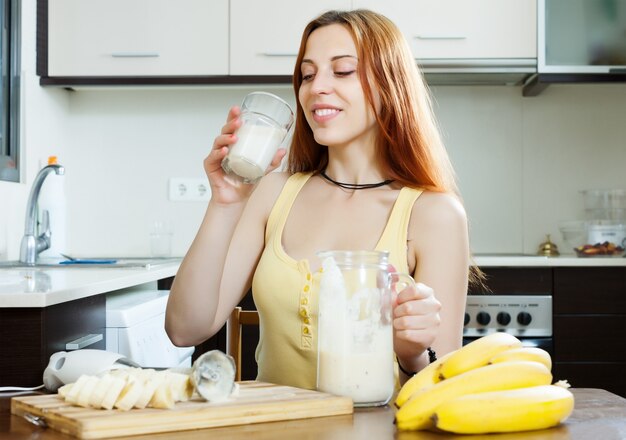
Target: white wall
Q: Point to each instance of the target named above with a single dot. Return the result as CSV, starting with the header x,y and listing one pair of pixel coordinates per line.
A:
x,y
124,146
521,161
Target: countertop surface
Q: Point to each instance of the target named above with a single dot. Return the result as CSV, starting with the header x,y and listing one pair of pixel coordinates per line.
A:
x,y
47,286
527,260
598,415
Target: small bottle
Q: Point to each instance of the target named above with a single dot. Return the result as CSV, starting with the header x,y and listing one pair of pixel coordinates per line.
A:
x,y
52,199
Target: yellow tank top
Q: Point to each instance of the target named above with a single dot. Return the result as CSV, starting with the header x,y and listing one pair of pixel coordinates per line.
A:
x,y
286,292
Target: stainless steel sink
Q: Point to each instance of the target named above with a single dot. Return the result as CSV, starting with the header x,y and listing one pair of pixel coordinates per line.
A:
x,y
99,262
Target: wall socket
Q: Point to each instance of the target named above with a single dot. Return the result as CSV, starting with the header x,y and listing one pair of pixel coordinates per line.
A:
x,y
189,189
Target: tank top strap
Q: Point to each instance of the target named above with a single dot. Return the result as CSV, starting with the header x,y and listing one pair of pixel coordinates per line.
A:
x,y
394,237
284,202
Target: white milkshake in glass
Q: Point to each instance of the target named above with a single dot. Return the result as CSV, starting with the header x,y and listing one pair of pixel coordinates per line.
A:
x,y
266,121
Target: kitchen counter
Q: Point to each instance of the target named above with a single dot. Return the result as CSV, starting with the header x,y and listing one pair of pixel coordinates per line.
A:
x,y
598,414
47,286
527,260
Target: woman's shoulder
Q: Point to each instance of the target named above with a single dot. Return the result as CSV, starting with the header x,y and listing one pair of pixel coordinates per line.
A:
x,y
438,208
272,184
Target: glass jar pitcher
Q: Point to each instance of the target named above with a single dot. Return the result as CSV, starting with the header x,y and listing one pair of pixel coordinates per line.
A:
x,y
355,333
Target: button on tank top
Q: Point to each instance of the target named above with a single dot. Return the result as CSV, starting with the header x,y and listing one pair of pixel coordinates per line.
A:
x,y
286,292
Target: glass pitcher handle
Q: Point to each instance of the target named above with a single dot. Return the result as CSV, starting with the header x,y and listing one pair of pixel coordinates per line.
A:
x,y
398,281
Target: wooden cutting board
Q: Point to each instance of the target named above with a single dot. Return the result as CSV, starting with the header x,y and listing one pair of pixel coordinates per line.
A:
x,y
256,402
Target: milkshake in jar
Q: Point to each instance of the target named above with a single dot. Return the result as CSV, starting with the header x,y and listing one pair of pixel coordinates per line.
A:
x,y
355,342
266,120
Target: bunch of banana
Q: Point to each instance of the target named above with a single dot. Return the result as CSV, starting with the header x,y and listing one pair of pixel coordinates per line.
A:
x,y
129,388
490,385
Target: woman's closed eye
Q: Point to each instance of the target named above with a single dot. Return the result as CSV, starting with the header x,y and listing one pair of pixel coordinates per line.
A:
x,y
340,74
344,73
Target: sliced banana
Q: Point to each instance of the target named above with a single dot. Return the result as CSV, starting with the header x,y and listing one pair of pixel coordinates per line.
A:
x,y
100,391
72,395
64,390
115,389
150,386
86,391
130,394
212,376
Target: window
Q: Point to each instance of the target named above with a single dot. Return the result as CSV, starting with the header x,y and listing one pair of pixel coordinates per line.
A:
x,y
9,92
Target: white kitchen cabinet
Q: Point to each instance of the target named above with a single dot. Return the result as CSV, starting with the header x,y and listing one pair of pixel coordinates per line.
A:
x,y
265,35
121,38
463,29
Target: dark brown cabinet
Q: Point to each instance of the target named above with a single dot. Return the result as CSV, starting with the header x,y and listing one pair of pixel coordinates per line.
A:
x,y
588,322
590,327
29,336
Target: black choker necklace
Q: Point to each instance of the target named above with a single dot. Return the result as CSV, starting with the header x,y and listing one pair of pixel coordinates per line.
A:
x,y
355,186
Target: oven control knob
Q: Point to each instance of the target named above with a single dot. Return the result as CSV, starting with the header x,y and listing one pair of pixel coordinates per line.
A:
x,y
467,319
524,318
503,318
483,318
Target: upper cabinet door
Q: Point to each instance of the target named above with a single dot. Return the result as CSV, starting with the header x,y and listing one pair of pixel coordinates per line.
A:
x,y
265,35
455,29
137,38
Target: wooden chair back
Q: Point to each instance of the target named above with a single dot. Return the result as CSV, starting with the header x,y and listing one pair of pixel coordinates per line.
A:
x,y
233,334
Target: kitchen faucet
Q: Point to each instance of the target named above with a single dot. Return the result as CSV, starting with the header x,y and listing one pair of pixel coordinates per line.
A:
x,y
33,245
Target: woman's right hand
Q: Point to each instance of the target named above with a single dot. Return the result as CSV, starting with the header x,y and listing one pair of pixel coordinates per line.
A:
x,y
224,189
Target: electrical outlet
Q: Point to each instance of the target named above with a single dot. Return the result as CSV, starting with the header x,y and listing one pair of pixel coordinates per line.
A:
x,y
189,189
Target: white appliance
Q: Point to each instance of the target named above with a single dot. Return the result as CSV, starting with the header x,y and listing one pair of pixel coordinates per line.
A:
x,y
135,328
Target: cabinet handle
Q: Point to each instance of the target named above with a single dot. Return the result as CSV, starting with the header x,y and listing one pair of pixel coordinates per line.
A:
x,y
506,63
279,54
135,54
440,37
83,342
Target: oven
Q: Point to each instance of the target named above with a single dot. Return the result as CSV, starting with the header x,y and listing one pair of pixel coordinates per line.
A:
x,y
527,317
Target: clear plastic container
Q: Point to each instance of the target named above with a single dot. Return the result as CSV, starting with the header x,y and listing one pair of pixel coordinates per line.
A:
x,y
574,234
604,199
607,233
616,215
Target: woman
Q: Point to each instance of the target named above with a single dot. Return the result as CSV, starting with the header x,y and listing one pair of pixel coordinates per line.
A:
x,y
367,170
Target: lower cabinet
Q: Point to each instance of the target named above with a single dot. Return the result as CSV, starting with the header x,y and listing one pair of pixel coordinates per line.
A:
x,y
588,319
590,327
29,336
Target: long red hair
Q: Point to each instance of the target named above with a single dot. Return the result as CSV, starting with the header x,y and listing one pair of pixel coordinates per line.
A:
x,y
409,145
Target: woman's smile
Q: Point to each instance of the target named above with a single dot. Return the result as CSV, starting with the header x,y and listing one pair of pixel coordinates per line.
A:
x,y
324,114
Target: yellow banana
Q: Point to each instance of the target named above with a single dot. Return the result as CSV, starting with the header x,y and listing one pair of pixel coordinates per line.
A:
x,y
426,377
522,409
477,354
524,354
417,411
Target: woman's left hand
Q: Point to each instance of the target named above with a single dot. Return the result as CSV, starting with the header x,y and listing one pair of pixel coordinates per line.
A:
x,y
415,320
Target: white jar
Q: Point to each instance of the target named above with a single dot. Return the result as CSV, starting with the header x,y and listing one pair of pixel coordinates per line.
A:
x,y
601,233
355,342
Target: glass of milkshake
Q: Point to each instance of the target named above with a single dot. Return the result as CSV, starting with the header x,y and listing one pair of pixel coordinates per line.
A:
x,y
355,340
266,120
